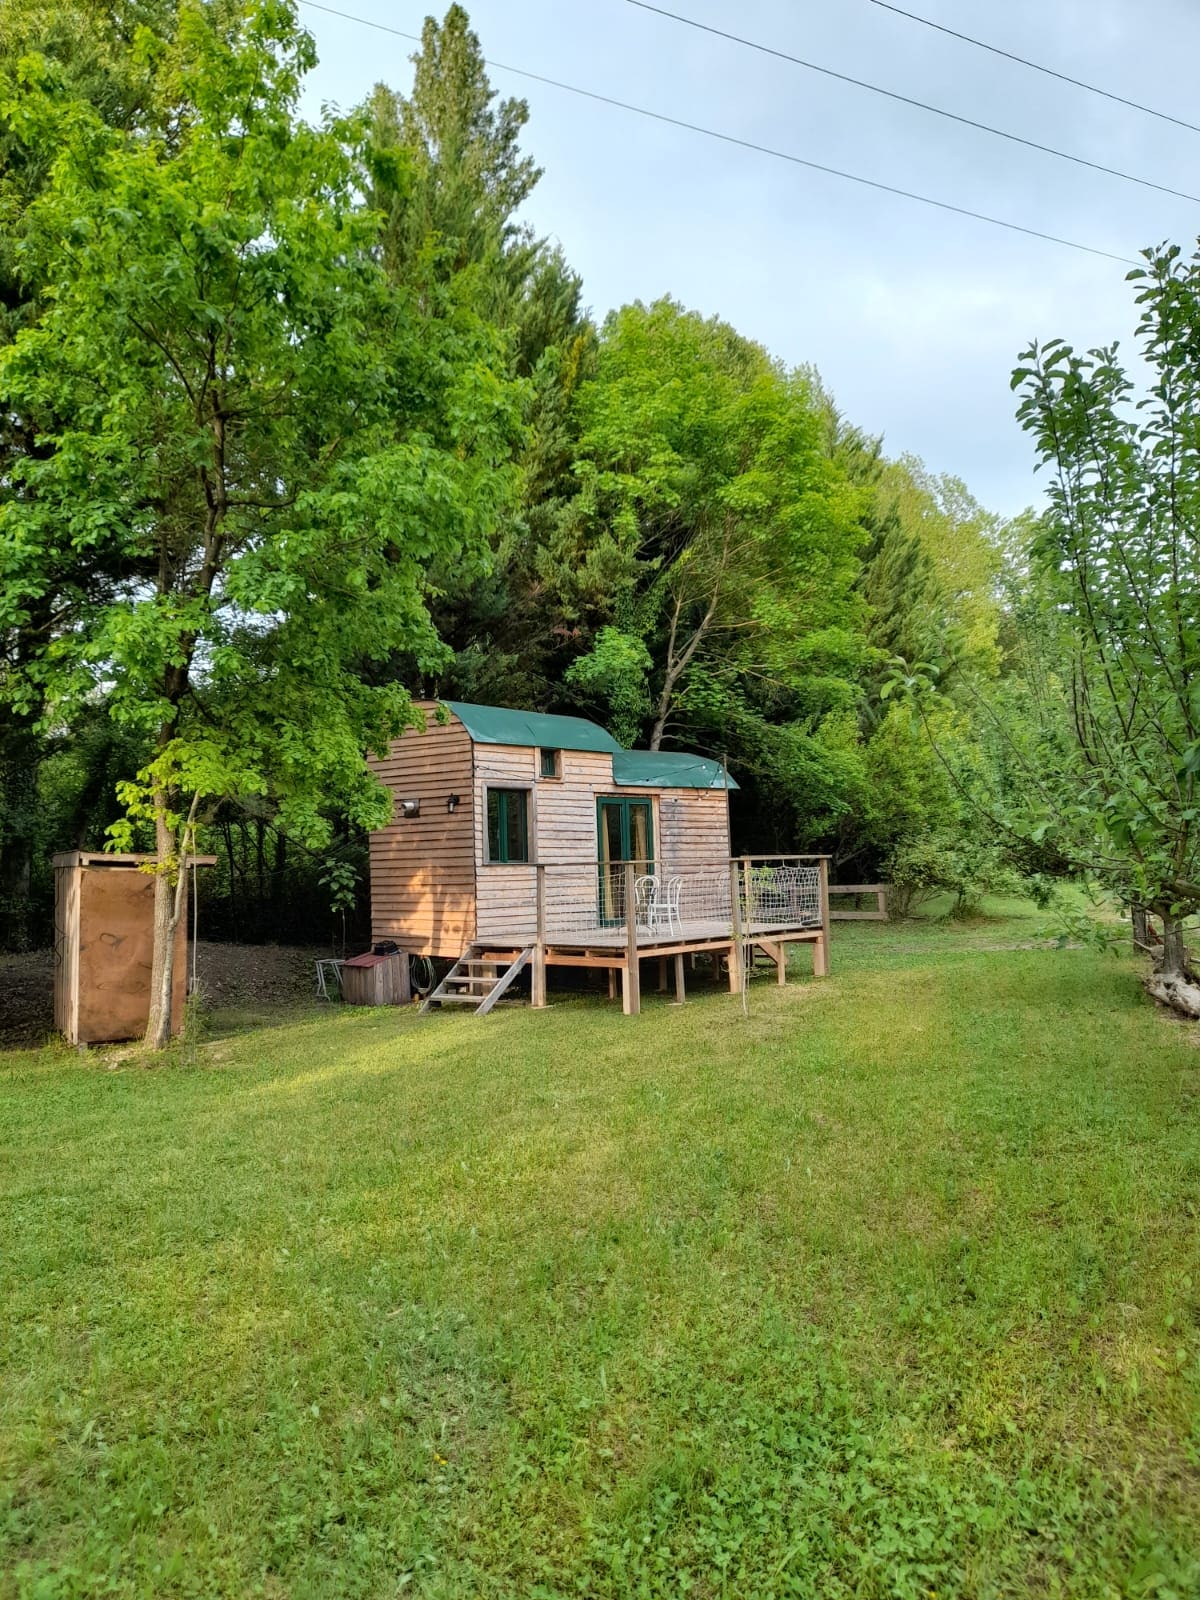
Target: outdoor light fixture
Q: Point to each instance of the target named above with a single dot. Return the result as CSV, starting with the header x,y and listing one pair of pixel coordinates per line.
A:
x,y
451,802
409,808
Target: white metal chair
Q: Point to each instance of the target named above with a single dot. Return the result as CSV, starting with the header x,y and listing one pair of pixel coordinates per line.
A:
x,y
645,893
657,903
672,893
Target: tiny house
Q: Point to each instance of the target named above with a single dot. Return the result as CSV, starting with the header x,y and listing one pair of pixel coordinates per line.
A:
x,y
519,838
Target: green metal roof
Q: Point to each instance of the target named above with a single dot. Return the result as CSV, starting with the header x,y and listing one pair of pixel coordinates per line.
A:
x,y
655,769
499,725
669,769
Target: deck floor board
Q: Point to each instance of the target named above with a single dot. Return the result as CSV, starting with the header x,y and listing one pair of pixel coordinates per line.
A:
x,y
690,936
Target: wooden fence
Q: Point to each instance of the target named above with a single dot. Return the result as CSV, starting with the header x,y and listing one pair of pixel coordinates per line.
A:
x,y
858,891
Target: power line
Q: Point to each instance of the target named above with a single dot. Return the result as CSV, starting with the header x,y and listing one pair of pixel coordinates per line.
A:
x,y
1036,66
908,100
748,144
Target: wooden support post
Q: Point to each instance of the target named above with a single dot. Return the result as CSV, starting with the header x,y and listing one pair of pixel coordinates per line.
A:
x,y
735,949
612,983
538,978
679,989
662,974
631,984
777,950
821,947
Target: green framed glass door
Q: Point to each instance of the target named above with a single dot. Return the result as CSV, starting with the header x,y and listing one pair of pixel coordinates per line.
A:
x,y
625,832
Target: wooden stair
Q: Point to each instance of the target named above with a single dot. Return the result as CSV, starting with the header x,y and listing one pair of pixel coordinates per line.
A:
x,y
475,979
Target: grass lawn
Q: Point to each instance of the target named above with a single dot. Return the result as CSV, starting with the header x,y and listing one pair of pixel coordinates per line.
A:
x,y
889,1289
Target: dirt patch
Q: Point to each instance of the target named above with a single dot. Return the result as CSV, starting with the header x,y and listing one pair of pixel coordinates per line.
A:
x,y
256,975
26,998
230,976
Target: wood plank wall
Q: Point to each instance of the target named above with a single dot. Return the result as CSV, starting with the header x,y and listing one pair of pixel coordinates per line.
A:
x,y
432,888
423,868
691,829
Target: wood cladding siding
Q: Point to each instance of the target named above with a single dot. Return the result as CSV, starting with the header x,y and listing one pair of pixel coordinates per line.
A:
x,y
423,867
433,889
506,892
691,829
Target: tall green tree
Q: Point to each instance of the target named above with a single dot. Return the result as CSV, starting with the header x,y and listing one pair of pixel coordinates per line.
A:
x,y
711,529
465,174
86,48
959,543
453,200
275,442
1119,559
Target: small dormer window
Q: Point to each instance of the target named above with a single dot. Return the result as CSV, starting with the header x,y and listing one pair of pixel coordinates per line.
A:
x,y
550,763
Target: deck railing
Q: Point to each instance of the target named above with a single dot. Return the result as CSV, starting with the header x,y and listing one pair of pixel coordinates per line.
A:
x,y
610,914
635,904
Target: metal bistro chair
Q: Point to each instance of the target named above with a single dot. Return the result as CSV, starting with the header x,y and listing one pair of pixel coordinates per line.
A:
x,y
657,903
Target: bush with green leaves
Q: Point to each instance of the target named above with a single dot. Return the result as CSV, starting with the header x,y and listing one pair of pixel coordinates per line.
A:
x,y
922,869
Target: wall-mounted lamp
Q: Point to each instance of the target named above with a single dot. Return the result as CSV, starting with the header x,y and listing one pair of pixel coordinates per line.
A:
x,y
410,808
451,802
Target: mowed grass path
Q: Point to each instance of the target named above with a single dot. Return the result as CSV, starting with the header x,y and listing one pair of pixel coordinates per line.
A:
x,y
890,1289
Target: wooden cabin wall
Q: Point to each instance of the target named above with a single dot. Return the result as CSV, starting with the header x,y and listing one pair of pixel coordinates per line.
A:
x,y
423,868
691,828
562,833
506,893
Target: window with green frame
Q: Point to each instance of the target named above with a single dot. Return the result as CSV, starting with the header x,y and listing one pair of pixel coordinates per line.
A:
x,y
508,825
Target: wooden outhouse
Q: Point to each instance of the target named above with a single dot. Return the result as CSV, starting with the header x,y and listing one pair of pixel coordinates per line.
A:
x,y
104,944
522,839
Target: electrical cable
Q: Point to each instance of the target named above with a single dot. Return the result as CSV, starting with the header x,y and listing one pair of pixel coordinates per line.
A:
x,y
1036,66
761,149
908,100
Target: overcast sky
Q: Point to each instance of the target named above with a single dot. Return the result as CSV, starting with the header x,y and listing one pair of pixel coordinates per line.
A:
x,y
913,316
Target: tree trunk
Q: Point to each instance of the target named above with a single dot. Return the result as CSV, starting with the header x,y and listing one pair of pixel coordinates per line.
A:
x,y
260,860
1141,928
170,905
234,922
1172,983
20,754
277,880
1173,962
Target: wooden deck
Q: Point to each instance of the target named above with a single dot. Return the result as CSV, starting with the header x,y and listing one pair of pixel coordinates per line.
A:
x,y
609,949
689,936
747,904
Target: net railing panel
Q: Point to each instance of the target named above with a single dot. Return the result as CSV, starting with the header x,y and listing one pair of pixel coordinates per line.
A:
x,y
585,902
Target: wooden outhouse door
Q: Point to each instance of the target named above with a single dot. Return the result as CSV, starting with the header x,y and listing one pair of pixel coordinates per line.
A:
x,y
626,833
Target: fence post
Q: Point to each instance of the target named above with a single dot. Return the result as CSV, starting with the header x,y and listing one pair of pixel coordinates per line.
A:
x,y
631,981
821,948
735,949
538,980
